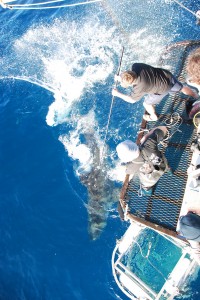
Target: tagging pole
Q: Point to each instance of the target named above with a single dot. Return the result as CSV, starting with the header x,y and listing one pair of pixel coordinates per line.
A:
x,y
111,106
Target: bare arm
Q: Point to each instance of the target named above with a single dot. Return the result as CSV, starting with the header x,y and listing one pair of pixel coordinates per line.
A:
x,y
163,128
124,97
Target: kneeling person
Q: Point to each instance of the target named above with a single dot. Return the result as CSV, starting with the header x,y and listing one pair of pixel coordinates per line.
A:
x,y
145,160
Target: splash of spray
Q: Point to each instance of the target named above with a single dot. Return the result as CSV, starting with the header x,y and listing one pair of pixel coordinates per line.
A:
x,y
69,59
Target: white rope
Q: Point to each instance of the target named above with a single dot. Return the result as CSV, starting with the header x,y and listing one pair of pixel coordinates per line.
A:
x,y
34,4
185,7
7,1
172,123
26,7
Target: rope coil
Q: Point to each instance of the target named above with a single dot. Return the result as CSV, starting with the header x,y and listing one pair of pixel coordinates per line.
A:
x,y
172,123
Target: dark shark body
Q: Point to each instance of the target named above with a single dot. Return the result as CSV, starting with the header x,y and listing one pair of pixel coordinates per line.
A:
x,y
101,190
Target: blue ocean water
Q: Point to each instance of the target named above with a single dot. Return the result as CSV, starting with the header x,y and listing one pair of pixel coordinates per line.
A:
x,y
56,71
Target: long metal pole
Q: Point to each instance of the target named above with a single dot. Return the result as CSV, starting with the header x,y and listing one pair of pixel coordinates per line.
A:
x,y
118,71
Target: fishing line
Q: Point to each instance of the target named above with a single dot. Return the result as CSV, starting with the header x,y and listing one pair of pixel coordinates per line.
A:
x,y
183,6
34,4
30,6
31,80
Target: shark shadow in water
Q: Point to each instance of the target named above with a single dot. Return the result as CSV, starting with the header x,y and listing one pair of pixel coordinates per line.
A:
x,y
101,190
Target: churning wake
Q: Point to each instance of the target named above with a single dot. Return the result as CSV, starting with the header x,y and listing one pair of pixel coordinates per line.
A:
x,y
76,62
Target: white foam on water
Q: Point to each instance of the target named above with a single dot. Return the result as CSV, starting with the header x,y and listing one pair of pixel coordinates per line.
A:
x,y
70,57
82,153
85,125
72,60
145,46
58,110
117,173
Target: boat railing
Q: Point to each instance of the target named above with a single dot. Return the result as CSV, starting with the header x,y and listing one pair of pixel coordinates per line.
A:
x,y
122,272
132,285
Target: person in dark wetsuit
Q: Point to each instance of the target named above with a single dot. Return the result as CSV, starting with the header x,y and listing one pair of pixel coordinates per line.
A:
x,y
145,160
153,83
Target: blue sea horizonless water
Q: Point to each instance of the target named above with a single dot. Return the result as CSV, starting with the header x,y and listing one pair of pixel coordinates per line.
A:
x,y
56,69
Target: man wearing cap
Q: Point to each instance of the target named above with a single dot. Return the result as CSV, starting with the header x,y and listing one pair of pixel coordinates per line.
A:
x,y
189,227
153,83
145,160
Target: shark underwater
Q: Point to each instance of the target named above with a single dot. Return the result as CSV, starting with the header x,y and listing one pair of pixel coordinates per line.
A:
x,y
102,192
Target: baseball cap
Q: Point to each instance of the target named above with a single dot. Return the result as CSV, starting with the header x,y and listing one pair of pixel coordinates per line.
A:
x,y
127,151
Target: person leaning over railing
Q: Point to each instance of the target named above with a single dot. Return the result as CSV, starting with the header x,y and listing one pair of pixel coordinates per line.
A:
x,y
145,160
153,83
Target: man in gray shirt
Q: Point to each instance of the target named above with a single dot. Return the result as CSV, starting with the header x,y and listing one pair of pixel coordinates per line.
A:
x,y
153,83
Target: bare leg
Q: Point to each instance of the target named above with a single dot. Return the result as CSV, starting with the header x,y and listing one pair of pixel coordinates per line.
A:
x,y
151,110
188,91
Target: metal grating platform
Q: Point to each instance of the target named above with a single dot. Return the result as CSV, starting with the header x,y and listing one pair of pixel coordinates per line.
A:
x,y
163,207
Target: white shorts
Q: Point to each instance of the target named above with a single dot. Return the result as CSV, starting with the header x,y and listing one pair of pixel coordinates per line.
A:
x,y
152,99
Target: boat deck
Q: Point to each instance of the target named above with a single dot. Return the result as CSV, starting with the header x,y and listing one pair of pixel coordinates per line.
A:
x,y
161,210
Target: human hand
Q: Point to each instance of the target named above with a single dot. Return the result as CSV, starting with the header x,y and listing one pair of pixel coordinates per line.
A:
x,y
115,92
117,78
198,14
